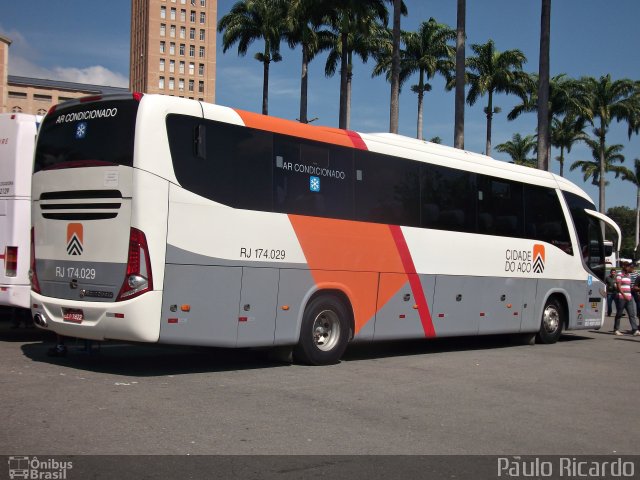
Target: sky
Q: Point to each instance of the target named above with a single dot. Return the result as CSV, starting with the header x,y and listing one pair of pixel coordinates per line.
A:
x,y
88,42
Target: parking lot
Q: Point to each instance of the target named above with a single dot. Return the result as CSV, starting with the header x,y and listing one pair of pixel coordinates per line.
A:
x,y
450,396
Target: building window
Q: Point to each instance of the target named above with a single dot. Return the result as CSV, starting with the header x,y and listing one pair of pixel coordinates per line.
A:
x,y
172,32
181,85
163,12
193,3
201,52
17,95
162,47
41,111
191,85
201,69
192,51
161,83
203,3
183,15
183,32
183,2
162,64
203,17
42,98
202,34
163,29
172,48
182,49
181,67
192,68
192,33
172,66
192,16
16,109
171,83
173,13
201,87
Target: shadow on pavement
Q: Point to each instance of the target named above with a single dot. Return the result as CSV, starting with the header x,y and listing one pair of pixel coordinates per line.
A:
x,y
149,360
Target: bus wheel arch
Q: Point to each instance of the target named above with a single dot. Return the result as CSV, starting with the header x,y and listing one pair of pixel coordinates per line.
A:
x,y
554,318
327,327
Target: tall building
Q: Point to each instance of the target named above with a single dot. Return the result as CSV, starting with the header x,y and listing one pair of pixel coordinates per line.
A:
x,y
4,71
173,48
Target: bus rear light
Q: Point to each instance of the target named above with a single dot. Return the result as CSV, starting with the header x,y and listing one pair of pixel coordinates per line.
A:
x,y
11,261
137,96
33,275
138,279
52,109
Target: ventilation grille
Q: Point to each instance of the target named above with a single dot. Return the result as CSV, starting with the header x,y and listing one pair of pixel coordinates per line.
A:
x,y
81,204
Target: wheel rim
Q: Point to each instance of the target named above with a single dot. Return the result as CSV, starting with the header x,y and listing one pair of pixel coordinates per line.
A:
x,y
326,330
551,319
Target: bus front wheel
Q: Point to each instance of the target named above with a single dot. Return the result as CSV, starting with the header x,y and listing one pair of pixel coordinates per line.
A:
x,y
324,332
552,322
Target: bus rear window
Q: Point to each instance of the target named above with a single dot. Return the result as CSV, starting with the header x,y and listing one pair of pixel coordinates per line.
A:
x,y
88,135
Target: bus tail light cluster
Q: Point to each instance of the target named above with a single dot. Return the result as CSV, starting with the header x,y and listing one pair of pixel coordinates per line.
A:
x,y
33,275
138,279
11,261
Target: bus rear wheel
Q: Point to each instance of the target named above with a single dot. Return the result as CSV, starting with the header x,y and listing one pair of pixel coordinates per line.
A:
x,y
552,322
324,332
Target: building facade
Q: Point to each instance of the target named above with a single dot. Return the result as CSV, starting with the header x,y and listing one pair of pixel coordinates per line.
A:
x,y
173,48
4,71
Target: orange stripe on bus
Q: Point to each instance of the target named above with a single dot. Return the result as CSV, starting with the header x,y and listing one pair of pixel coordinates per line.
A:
x,y
335,136
340,252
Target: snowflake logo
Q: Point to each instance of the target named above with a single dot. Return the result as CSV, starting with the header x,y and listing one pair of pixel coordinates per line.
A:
x,y
314,184
81,130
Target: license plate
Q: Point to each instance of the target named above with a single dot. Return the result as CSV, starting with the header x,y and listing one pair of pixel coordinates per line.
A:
x,y
73,315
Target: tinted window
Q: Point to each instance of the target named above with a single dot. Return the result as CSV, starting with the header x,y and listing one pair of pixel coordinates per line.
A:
x,y
88,134
544,219
387,189
500,208
589,233
231,166
312,178
448,199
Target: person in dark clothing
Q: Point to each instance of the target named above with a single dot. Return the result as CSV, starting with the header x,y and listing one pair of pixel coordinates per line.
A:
x,y
611,290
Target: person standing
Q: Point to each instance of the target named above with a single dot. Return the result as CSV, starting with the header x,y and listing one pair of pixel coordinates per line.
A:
x,y
625,300
611,290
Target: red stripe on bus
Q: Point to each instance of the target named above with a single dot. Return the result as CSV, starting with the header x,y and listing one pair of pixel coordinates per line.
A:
x,y
414,281
357,140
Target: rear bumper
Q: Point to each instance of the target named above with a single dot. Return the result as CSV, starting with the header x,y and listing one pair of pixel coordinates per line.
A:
x,y
135,320
15,295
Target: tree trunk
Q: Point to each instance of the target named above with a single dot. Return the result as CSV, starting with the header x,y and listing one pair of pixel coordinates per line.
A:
x,y
487,150
601,183
458,140
543,87
265,85
304,83
561,159
419,135
344,73
347,123
394,110
635,248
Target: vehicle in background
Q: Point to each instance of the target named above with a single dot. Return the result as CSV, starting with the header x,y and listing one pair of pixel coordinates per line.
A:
x,y
161,219
17,142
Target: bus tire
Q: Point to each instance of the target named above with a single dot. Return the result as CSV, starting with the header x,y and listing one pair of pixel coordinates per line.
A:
x,y
324,332
551,323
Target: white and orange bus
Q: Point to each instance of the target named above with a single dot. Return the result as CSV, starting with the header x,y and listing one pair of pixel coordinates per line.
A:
x,y
17,143
160,219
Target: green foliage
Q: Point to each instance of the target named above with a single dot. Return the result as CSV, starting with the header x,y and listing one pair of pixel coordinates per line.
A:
x,y
625,217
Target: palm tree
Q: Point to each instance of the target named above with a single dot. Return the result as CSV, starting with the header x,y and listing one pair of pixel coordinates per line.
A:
x,y
458,139
394,107
250,20
427,52
634,177
562,98
491,71
356,25
518,148
564,133
544,145
604,161
600,102
304,21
